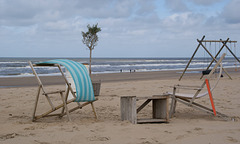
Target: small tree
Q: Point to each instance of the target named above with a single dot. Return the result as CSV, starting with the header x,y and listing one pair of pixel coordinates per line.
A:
x,y
90,39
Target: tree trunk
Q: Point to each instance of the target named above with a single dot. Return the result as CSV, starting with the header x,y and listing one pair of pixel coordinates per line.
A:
x,y
90,64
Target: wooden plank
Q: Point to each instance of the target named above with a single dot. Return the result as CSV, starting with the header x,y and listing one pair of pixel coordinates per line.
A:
x,y
143,105
139,121
201,107
153,97
128,109
159,109
54,92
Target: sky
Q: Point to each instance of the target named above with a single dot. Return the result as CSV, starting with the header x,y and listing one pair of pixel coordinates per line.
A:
x,y
130,28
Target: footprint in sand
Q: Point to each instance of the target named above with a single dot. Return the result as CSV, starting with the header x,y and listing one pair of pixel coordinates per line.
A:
x,y
30,128
8,136
197,129
180,137
231,139
146,142
41,142
168,132
98,138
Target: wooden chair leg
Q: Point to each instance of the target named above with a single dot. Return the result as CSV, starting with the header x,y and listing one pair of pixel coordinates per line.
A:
x,y
50,102
36,102
173,107
95,114
65,106
174,102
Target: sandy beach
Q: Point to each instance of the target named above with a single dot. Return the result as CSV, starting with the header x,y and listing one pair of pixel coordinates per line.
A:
x,y
186,126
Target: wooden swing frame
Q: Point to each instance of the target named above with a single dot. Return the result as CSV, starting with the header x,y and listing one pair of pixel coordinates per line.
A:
x,y
214,58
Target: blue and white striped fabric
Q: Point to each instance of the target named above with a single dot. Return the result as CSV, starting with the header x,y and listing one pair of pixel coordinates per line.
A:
x,y
82,80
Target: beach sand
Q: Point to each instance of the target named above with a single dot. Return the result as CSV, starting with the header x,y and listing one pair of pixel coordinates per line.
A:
x,y
187,126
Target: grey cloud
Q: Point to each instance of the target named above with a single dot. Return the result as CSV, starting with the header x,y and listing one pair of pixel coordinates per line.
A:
x,y
231,12
17,9
25,12
116,9
145,7
205,2
182,22
176,5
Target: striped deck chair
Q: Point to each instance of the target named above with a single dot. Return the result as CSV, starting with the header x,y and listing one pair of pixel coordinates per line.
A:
x,y
84,90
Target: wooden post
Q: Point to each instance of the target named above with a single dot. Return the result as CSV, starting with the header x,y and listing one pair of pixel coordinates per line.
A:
x,y
191,58
210,96
65,106
231,52
94,112
128,109
36,102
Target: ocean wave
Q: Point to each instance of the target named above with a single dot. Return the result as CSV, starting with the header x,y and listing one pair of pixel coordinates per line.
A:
x,y
17,67
11,62
29,75
172,60
106,65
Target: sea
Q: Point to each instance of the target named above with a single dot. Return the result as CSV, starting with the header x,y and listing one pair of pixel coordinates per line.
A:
x,y
19,66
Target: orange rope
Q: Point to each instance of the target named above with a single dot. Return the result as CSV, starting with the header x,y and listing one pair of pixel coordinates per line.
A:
x,y
210,96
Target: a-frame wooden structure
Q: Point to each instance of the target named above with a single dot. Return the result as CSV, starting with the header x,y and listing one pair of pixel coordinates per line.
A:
x,y
214,58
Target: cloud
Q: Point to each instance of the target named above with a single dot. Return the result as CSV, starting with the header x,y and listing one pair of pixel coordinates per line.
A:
x,y
145,8
205,2
129,27
182,23
231,12
25,13
176,5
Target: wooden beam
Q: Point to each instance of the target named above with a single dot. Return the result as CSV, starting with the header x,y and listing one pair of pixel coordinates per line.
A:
x,y
219,41
143,105
191,58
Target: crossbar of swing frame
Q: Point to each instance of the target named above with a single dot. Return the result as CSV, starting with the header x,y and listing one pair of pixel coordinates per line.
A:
x,y
219,41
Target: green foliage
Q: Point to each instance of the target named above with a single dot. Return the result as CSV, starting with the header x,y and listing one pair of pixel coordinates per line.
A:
x,y
90,37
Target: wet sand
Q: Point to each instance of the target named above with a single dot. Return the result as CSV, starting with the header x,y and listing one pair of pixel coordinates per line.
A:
x,y
109,77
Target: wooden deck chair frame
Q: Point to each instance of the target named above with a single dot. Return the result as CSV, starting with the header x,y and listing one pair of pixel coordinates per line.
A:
x,y
188,99
64,98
